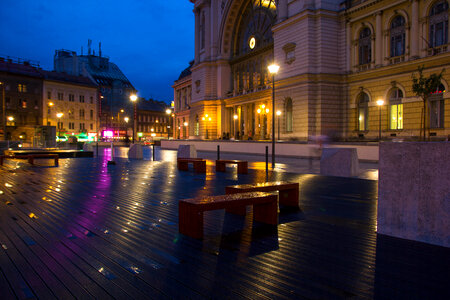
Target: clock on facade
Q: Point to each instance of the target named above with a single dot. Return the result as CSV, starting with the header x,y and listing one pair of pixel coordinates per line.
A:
x,y
252,42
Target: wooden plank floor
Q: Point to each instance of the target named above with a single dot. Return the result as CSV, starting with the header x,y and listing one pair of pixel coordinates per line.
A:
x,y
87,230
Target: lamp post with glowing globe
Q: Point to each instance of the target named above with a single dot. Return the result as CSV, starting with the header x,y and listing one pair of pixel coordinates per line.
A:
x,y
273,69
133,99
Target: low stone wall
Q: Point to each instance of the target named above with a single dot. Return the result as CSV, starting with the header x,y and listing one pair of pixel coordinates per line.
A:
x,y
365,152
414,191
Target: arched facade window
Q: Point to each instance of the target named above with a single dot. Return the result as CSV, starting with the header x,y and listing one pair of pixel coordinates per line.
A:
x,y
439,24
288,114
197,126
437,108
253,46
365,46
395,109
397,33
363,111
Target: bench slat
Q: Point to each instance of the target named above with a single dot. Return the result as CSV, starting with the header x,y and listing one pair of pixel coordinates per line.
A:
x,y
288,191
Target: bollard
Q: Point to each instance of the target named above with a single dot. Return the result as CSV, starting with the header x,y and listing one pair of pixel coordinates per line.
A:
x,y
153,152
218,152
267,161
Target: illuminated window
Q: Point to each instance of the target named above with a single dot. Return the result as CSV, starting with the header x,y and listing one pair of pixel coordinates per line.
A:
x,y
437,108
24,103
397,36
439,24
395,109
22,88
363,111
289,118
365,46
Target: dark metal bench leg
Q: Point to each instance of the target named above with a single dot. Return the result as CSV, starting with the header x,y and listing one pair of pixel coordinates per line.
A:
x,y
266,213
190,221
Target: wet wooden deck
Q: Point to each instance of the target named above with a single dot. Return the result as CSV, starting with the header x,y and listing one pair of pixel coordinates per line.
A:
x,y
88,230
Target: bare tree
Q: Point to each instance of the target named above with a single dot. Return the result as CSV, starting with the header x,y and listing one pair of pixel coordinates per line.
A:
x,y
423,87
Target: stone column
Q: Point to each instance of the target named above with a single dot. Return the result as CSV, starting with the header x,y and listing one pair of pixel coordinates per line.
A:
x,y
378,40
207,10
197,32
348,33
414,33
282,8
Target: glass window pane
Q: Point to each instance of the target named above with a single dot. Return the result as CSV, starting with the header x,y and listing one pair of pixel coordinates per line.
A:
x,y
393,116
400,116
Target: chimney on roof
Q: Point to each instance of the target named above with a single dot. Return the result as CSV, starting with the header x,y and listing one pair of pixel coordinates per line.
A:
x,y
100,49
89,46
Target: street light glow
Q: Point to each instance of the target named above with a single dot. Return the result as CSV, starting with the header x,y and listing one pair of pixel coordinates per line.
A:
x,y
278,112
133,97
273,69
168,111
380,102
126,119
10,118
59,115
235,117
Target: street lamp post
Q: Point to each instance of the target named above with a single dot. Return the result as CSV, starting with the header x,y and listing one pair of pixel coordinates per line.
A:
x,y
235,117
273,69
59,115
133,99
50,104
380,103
169,113
278,117
206,118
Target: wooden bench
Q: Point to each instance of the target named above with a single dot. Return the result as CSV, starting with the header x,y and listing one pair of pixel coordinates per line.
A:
x,y
288,191
3,157
32,157
242,165
190,211
198,163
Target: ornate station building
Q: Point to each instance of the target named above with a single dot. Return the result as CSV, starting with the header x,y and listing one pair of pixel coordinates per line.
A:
x,y
337,60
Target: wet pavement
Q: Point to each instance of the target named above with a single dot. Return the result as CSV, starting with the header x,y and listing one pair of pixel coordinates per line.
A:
x,y
87,229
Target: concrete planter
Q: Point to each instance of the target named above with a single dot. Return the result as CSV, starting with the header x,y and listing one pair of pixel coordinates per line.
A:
x,y
414,191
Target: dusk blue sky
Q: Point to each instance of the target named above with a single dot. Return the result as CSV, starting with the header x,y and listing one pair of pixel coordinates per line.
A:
x,y
151,41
